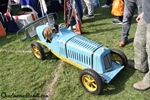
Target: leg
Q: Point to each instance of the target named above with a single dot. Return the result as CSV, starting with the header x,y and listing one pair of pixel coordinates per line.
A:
x,y
147,76
90,7
83,6
79,8
140,55
127,18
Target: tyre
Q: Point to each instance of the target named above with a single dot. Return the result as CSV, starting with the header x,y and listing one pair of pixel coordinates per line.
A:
x,y
37,50
91,81
119,57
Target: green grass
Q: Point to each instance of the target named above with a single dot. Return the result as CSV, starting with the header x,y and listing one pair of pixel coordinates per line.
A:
x,y
22,73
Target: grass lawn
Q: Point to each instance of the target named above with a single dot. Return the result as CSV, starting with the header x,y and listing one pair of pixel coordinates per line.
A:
x,y
21,74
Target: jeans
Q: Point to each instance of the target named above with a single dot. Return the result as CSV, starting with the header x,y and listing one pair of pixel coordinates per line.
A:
x,y
129,9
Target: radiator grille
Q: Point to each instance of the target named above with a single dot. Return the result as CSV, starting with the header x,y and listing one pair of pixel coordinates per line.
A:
x,y
107,61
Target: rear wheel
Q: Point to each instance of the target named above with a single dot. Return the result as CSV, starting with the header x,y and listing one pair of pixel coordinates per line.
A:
x,y
119,57
91,81
37,50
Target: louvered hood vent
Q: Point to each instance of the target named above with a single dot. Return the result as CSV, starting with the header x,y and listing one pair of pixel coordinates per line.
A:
x,y
81,50
84,43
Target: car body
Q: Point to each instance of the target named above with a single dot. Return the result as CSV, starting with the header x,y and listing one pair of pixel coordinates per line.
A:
x,y
98,63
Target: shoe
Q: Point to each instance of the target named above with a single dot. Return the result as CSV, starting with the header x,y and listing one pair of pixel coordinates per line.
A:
x,y
131,64
89,16
106,6
116,21
122,43
142,86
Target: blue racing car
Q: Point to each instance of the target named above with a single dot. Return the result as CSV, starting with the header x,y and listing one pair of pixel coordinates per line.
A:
x,y
98,63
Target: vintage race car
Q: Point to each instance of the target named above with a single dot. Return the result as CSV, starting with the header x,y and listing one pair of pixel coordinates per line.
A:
x,y
98,63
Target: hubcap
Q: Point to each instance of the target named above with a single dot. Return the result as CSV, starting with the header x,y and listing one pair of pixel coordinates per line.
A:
x,y
89,82
36,51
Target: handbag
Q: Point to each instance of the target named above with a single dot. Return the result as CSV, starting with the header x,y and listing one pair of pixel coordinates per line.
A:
x,y
117,8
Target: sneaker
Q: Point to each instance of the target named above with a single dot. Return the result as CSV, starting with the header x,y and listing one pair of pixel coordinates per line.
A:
x,y
106,6
89,16
116,21
142,86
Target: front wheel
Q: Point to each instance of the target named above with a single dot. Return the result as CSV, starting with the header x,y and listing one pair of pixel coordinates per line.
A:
x,y
37,50
119,57
91,81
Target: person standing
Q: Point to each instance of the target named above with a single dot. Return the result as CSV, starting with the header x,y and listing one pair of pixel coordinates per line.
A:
x,y
142,46
129,10
90,7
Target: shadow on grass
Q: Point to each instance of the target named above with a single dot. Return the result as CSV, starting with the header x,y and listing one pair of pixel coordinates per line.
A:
x,y
100,30
130,40
118,83
96,18
49,56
